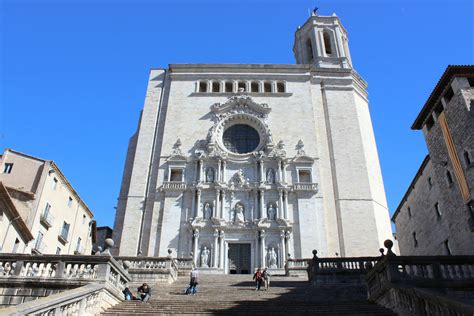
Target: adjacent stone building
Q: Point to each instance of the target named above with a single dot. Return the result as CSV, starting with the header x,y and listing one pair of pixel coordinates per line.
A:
x,y
243,165
40,212
436,215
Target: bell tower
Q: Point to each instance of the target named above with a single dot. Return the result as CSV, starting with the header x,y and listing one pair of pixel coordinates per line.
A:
x,y
322,41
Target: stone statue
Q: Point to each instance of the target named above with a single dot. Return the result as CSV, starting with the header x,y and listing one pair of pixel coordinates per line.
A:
x,y
239,213
300,148
205,257
207,211
270,176
177,148
271,212
272,258
210,175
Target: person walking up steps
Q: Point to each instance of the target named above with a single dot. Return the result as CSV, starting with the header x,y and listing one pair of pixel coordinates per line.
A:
x,y
258,279
144,292
266,278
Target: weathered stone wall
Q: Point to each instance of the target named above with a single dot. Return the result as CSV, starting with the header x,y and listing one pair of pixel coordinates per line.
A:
x,y
453,225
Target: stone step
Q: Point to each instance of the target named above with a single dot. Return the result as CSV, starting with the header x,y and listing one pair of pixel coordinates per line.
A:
x,y
235,294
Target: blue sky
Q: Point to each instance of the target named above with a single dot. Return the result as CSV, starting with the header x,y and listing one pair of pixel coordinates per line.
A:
x,y
73,74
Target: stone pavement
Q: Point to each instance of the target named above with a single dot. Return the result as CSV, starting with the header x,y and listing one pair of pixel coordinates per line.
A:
x,y
235,294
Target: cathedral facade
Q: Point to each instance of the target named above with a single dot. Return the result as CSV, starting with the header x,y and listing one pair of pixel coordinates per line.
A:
x,y
242,166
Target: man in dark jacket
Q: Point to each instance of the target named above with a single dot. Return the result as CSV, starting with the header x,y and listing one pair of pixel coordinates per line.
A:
x,y
144,292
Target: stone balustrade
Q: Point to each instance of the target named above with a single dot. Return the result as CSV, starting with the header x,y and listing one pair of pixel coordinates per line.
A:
x,y
339,270
151,269
312,187
417,285
185,266
38,279
297,267
422,271
173,186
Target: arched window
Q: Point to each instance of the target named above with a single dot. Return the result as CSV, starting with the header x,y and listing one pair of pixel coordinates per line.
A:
x,y
254,86
229,86
280,87
241,85
216,86
202,86
309,49
267,87
241,139
327,43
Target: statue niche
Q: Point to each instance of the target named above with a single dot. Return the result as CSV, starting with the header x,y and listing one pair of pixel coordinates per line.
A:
x,y
207,211
272,258
271,212
205,253
210,175
239,217
270,176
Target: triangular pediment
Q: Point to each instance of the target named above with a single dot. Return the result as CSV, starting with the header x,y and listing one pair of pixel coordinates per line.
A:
x,y
303,159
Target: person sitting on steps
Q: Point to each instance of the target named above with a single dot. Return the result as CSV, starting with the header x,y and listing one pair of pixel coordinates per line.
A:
x,y
144,292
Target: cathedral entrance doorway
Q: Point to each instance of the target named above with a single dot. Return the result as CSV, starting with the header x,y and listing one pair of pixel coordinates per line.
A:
x,y
239,258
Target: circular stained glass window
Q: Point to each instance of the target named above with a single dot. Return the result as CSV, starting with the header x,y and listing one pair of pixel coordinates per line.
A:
x,y
241,139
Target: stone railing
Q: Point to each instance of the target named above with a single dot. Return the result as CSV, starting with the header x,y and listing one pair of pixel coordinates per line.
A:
x,y
336,270
173,186
313,187
406,284
151,269
184,265
297,267
24,278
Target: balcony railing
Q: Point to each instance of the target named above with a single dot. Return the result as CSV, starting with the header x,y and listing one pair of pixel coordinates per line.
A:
x,y
173,186
305,187
47,219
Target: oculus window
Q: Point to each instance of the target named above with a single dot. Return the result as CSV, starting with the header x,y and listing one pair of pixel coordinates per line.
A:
x,y
241,139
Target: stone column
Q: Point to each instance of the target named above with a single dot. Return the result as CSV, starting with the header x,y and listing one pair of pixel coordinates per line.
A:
x,y
280,204
221,249
223,204
255,204
193,210
287,243
261,176
283,171
195,246
285,208
263,213
201,178
217,208
198,203
215,257
224,164
283,250
256,171
196,177
263,249
218,176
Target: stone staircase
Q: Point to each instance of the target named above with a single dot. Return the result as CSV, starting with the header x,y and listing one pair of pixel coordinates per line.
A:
x,y
235,294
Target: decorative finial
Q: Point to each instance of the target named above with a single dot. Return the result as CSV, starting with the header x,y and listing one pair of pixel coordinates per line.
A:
x,y
314,12
382,252
389,244
315,254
